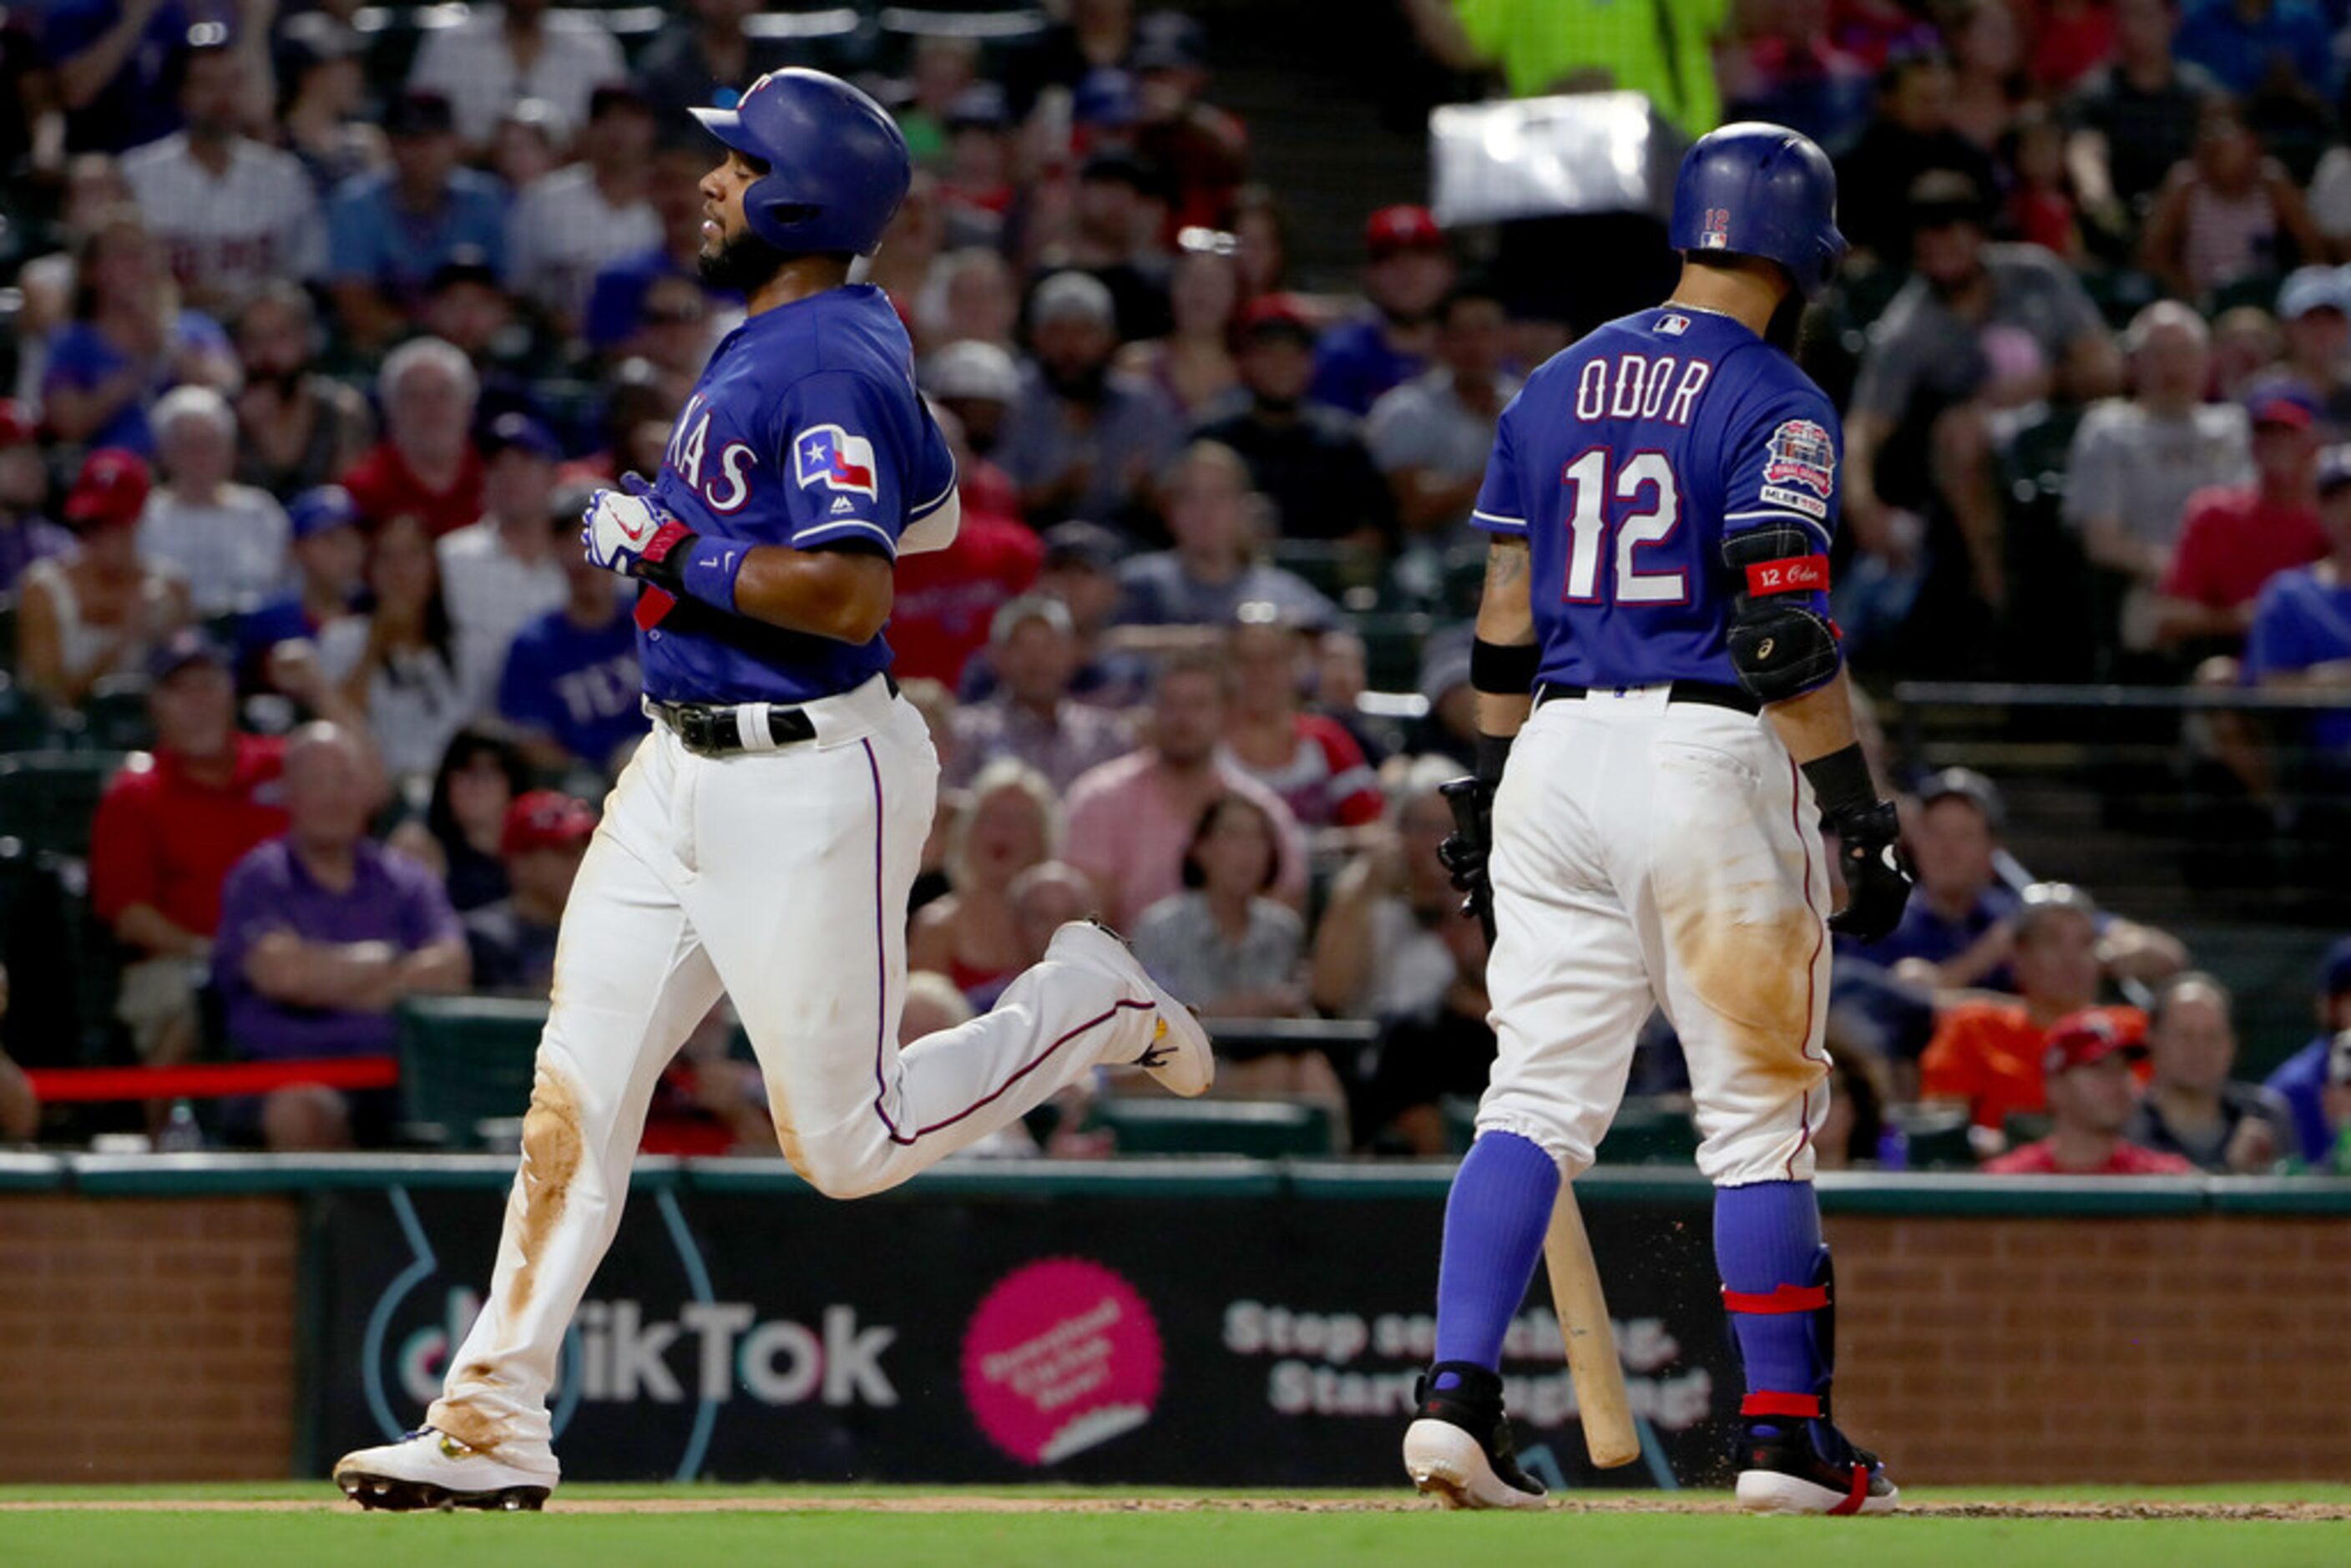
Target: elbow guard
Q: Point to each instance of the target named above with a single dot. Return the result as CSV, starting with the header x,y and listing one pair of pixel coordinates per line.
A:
x,y
1780,645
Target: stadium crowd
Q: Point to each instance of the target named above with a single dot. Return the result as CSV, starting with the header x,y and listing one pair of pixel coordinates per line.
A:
x,y
324,328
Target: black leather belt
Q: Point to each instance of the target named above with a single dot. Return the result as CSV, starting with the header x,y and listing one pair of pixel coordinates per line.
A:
x,y
1705,692
708,729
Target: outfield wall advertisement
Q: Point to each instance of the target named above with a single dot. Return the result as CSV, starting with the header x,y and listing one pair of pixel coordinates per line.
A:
x,y
746,1335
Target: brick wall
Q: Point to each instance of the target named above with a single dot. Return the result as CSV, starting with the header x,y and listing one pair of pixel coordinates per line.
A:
x,y
2205,1349
146,1339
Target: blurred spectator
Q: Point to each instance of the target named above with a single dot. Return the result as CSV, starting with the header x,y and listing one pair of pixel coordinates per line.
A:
x,y
1431,436
227,540
2253,46
321,932
2331,1156
1113,241
330,557
388,234
2192,1107
1307,458
946,599
2042,208
1449,726
1084,440
296,428
95,193
2135,461
523,49
1218,524
25,535
426,466
166,833
1306,759
1031,719
512,941
1380,948
1979,331
1193,365
2303,1079
2313,310
322,62
1543,47
396,661
1081,570
1860,1090
127,343
1788,70
1407,272
973,934
1988,61
978,302
1910,137
2246,348
1955,931
2069,38
1986,1052
2092,1097
1341,675
2229,215
1130,820
2233,541
939,70
619,296
1084,35
975,177
589,214
1201,152
1222,942
482,774
696,55
114,61
230,213
977,383
675,334
97,612
503,572
911,247
1260,228
571,685
1442,1048
532,140
2134,118
2300,639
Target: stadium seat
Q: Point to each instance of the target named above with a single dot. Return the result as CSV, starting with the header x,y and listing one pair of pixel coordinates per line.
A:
x,y
464,1060
114,718
1258,1129
1392,643
1343,571
1935,1136
1649,1132
46,798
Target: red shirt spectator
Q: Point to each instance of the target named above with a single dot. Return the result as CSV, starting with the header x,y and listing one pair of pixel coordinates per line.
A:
x,y
166,834
947,600
2233,541
385,487
2093,1094
2125,1159
426,466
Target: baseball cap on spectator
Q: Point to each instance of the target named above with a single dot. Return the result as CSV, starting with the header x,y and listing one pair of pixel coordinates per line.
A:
x,y
1040,609
981,106
1116,166
2044,899
515,430
1082,544
545,819
1104,99
1073,297
2334,971
110,488
1941,197
974,370
420,111
321,508
2334,469
1392,231
1277,315
1169,41
2282,404
466,264
184,647
2309,288
315,38
617,93
2084,1040
16,426
1967,784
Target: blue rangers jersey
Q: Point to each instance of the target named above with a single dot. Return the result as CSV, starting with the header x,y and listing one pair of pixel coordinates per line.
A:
x,y
805,430
1627,459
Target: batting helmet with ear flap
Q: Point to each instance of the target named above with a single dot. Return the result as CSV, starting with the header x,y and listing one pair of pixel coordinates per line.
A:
x,y
837,165
1761,190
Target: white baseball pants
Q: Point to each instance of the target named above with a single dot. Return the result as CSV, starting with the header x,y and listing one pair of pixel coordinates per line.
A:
x,y
1668,855
780,877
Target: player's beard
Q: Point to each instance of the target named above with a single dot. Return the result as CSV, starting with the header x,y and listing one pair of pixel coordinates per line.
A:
x,y
742,262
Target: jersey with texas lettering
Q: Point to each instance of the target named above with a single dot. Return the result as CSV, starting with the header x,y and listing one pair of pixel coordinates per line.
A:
x,y
805,430
1627,459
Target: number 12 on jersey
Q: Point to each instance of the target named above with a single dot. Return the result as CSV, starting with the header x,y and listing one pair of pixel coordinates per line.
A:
x,y
1647,506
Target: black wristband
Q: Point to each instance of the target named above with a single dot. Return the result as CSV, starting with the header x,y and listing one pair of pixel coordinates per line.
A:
x,y
1493,752
1504,669
668,573
1841,781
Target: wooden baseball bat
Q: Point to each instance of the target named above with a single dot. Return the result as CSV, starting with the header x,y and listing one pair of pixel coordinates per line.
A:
x,y
1592,1359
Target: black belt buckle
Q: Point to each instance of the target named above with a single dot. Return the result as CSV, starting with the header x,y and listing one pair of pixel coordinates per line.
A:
x,y
698,728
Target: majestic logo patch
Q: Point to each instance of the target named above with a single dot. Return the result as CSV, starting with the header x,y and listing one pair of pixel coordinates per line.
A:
x,y
1673,326
829,455
1801,453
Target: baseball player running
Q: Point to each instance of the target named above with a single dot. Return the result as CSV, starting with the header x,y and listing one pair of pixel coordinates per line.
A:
x,y
764,837
1655,662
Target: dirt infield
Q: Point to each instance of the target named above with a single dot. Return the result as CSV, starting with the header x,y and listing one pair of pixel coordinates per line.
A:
x,y
952,1503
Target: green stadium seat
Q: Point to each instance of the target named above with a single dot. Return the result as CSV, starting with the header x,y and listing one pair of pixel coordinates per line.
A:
x,y
464,1060
114,716
46,798
1257,1129
1937,1137
1649,1133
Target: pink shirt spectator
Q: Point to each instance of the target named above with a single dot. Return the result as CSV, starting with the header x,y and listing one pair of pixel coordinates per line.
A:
x,y
1128,830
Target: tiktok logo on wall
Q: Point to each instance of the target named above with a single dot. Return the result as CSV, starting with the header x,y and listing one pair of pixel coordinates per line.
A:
x,y
1062,1356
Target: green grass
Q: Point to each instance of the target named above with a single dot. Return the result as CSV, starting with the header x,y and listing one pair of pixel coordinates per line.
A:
x,y
855,1538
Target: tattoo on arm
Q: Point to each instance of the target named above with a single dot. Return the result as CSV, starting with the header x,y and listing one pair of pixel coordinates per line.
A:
x,y
1506,563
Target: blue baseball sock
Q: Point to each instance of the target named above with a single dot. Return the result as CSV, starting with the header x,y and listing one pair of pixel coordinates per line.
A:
x,y
1494,1225
1766,1236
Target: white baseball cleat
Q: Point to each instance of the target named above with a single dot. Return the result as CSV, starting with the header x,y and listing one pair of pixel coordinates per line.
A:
x,y
1178,1055
428,1468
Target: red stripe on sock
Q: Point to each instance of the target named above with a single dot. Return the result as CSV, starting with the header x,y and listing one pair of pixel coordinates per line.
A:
x,y
1783,1299
1804,1407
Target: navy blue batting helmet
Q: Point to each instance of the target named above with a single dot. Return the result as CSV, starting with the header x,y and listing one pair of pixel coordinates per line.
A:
x,y
837,163
1754,189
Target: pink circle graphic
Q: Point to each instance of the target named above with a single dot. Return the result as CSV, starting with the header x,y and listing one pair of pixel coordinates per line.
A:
x,y
1062,1355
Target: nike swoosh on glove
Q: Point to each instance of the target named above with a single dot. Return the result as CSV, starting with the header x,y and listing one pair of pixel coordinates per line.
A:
x,y
623,528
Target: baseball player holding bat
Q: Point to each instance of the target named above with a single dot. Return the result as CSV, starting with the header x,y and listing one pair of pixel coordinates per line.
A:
x,y
1656,663
764,837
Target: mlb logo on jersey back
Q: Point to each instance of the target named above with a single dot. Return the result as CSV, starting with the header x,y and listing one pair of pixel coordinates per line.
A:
x,y
1672,326
1801,453
829,455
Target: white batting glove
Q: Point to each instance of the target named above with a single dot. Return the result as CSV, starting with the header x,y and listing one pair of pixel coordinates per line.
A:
x,y
618,527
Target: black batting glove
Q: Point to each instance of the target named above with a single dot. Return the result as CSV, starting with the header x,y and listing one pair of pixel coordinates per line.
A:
x,y
1877,874
1471,844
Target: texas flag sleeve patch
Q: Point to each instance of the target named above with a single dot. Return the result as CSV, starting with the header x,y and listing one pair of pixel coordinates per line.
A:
x,y
828,456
